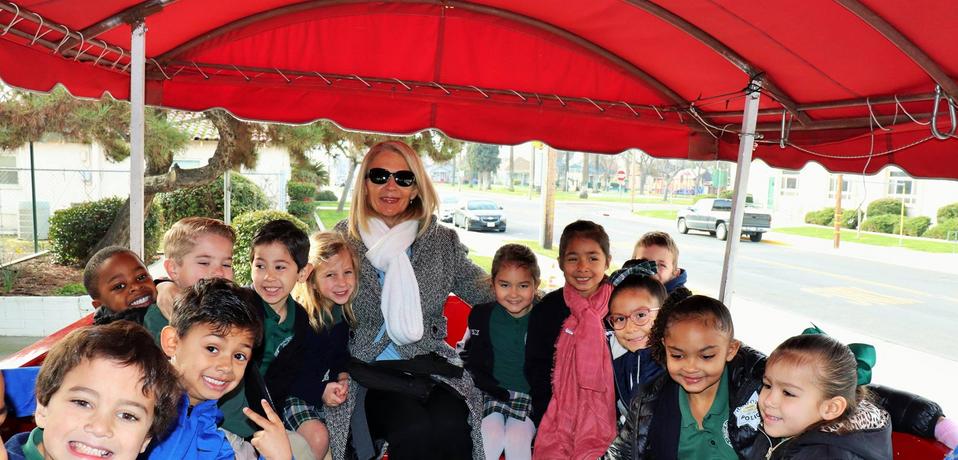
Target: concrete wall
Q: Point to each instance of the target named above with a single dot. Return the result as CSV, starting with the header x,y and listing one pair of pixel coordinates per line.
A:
x,y
40,316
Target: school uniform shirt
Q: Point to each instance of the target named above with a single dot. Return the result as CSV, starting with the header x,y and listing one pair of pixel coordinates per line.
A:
x,y
711,441
154,321
24,446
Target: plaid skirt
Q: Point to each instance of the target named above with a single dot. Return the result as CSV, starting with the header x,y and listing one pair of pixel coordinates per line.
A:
x,y
296,412
517,407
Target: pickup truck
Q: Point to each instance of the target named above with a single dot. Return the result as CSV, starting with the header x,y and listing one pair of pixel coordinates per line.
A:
x,y
714,214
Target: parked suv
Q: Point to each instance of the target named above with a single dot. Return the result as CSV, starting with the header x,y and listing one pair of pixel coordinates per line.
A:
x,y
714,214
479,215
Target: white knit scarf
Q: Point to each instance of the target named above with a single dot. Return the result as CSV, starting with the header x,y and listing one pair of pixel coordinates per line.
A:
x,y
400,302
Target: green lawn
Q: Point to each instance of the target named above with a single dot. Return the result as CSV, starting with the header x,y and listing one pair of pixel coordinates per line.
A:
x,y
538,249
331,217
483,261
523,191
868,238
669,214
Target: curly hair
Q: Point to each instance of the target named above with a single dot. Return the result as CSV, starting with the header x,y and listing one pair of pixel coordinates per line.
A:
x,y
698,307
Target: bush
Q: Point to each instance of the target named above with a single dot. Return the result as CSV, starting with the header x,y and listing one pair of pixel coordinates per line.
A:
x,y
246,226
948,212
303,211
72,289
300,191
77,229
883,207
881,224
941,229
728,194
915,226
325,195
207,200
850,218
821,217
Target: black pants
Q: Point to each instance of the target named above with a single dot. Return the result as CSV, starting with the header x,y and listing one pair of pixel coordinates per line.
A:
x,y
435,429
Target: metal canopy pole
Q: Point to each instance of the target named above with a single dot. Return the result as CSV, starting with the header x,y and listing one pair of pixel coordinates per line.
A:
x,y
227,198
137,159
746,143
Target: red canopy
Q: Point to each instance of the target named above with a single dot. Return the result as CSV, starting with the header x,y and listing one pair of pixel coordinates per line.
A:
x,y
591,75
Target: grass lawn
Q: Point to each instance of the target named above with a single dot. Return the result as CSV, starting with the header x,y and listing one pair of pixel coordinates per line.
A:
x,y
523,191
538,249
483,261
331,217
868,238
669,214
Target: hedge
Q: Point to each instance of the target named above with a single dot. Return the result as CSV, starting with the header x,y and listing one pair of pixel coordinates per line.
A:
x,y
300,191
884,206
246,226
916,226
948,212
325,195
850,218
940,231
821,217
77,229
880,223
303,210
207,200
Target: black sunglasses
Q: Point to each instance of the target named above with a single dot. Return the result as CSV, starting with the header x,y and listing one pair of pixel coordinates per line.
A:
x,y
380,176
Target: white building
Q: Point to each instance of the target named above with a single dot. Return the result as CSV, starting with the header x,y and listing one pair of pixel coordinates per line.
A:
x,y
69,173
791,194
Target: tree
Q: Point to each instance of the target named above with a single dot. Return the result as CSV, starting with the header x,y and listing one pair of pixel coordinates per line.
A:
x,y
646,168
27,117
565,171
483,159
668,169
584,188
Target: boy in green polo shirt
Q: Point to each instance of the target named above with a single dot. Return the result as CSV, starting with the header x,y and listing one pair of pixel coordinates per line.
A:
x,y
103,391
279,256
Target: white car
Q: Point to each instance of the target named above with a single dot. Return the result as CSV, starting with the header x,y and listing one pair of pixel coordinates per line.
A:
x,y
447,207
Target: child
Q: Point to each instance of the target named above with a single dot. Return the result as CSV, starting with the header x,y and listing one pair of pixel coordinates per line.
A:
x,y
634,304
661,248
577,411
279,259
706,406
210,341
813,407
496,334
103,391
120,285
326,296
195,248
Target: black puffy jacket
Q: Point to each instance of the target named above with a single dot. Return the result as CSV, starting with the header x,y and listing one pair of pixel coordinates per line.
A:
x,y
652,428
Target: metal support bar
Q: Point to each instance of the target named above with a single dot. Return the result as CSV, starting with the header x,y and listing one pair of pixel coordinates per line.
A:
x,y
227,198
33,200
746,143
137,158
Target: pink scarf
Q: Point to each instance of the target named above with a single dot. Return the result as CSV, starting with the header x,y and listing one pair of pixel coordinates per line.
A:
x,y
580,420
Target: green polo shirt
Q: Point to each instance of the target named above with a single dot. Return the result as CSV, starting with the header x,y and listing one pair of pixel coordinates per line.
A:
x,y
276,334
154,321
508,337
31,448
711,442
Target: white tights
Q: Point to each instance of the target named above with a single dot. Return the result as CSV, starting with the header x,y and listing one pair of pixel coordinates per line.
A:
x,y
514,437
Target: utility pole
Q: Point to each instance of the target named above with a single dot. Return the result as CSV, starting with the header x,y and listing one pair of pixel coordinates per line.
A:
x,y
512,166
548,199
632,183
532,173
838,211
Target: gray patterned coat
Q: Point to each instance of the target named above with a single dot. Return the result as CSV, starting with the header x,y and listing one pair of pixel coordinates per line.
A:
x,y
441,266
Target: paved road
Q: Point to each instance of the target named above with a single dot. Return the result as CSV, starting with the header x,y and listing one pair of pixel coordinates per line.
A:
x,y
899,302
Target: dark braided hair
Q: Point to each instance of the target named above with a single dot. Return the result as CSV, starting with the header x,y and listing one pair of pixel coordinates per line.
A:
x,y
699,307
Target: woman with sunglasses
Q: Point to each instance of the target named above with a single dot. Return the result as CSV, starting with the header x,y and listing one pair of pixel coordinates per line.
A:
x,y
410,264
635,302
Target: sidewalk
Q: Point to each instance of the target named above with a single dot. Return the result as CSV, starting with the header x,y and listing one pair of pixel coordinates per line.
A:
x,y
943,262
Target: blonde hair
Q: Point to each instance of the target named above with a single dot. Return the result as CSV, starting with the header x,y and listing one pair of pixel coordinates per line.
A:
x,y
322,247
421,208
180,239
